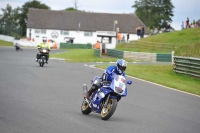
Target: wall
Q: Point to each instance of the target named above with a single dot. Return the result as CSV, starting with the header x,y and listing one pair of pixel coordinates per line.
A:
x,y
78,36
6,38
140,56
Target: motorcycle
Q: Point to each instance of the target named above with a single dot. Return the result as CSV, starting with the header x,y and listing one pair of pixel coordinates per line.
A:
x,y
104,101
17,48
43,57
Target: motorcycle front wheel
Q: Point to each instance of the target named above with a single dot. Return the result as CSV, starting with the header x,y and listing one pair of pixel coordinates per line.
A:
x,y
85,108
42,62
108,111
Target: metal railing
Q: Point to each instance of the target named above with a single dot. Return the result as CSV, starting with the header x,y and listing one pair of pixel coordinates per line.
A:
x,y
187,65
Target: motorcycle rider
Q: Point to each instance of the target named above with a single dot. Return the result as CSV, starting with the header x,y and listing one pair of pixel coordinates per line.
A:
x,y
43,44
118,69
17,46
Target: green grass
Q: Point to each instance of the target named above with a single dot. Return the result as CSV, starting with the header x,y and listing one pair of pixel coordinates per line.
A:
x,y
184,43
183,37
5,43
81,55
164,75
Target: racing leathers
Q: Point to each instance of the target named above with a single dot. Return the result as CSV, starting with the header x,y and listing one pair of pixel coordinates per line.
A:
x,y
108,77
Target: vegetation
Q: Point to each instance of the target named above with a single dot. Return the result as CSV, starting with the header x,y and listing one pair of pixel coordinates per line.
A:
x,y
164,75
185,43
154,13
81,55
16,19
70,9
5,43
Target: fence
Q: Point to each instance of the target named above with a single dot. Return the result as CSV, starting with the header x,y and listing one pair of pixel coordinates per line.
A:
x,y
187,65
97,52
139,56
115,53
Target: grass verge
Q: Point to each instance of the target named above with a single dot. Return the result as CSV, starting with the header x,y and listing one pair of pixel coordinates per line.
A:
x,y
5,43
164,75
81,55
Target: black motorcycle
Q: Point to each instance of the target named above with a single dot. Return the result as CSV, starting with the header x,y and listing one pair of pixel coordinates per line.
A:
x,y
43,57
17,48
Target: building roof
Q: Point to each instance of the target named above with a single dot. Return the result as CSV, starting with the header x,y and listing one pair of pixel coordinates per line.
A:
x,y
88,21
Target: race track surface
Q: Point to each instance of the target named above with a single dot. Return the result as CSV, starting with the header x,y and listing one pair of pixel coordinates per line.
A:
x,y
48,99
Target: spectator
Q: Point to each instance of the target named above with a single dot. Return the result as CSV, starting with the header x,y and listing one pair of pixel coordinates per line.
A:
x,y
168,27
192,25
119,38
138,29
127,37
196,25
187,23
97,45
193,22
182,26
142,32
151,33
155,31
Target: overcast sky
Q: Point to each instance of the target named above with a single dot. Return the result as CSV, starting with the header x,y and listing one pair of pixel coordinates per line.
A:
x,y
182,10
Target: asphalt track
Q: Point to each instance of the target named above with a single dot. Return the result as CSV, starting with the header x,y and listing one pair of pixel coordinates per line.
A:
x,y
48,100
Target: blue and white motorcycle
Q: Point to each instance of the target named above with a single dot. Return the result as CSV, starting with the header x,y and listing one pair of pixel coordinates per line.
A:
x,y
104,100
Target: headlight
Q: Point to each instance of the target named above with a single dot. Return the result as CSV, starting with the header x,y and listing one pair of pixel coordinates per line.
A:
x,y
44,50
119,90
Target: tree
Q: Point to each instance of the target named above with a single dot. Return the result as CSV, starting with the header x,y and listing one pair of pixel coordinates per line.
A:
x,y
75,8
154,13
9,21
24,12
70,9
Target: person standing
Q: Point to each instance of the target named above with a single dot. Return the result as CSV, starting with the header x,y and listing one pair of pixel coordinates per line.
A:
x,y
142,32
182,26
97,45
138,29
187,23
127,37
119,38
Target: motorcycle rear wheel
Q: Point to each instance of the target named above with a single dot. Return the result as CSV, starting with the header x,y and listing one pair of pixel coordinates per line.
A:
x,y
85,108
107,112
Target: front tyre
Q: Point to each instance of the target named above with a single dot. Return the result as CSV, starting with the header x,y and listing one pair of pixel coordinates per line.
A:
x,y
42,62
85,108
107,112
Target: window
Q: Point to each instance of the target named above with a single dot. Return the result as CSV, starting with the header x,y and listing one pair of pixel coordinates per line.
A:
x,y
37,31
87,33
40,31
64,32
43,31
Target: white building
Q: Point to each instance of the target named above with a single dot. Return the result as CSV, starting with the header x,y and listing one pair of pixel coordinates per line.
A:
x,y
81,27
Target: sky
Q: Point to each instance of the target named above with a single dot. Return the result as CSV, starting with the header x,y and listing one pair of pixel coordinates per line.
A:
x,y
182,10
